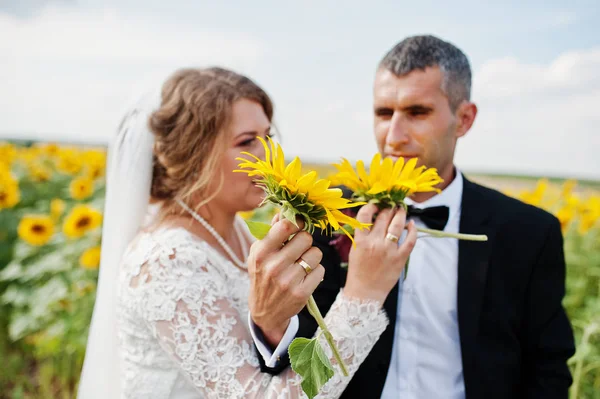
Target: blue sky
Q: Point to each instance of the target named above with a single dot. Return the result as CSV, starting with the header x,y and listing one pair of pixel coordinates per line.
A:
x,y
70,67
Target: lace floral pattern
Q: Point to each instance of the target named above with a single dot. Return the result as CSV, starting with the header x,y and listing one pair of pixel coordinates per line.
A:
x,y
182,309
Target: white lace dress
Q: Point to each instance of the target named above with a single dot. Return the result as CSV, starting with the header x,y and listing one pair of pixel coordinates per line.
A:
x,y
183,332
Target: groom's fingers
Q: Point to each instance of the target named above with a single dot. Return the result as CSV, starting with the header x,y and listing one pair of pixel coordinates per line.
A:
x,y
396,226
381,225
409,242
365,215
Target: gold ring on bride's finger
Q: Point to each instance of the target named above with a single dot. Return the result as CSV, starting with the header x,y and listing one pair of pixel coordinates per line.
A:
x,y
305,266
392,237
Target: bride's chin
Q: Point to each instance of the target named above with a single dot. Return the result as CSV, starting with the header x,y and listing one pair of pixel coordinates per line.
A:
x,y
253,201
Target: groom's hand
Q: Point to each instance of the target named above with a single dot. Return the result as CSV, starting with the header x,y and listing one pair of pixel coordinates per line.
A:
x,y
279,285
376,262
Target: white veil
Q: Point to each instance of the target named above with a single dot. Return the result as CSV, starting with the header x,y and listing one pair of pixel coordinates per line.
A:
x,y
129,174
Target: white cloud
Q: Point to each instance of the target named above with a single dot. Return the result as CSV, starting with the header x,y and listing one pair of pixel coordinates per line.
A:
x,y
537,118
69,73
571,72
62,34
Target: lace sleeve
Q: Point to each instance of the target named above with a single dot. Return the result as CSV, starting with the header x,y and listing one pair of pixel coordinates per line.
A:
x,y
185,302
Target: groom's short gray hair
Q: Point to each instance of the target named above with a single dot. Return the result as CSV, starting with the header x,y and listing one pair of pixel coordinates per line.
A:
x,y
420,52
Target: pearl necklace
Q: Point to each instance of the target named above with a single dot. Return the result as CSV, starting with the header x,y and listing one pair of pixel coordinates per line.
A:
x,y
214,233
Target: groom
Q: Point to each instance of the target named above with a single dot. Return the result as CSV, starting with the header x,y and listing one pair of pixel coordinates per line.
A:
x,y
472,319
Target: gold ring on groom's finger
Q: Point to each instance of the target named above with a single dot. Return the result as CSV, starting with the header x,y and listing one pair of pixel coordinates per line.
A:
x,y
392,237
305,266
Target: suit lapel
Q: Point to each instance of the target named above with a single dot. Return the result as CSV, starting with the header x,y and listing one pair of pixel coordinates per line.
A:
x,y
473,260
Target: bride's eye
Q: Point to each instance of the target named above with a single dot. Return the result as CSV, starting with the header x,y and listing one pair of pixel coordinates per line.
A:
x,y
247,143
250,141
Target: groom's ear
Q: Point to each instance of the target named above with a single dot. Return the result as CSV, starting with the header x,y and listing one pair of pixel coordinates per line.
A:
x,y
465,117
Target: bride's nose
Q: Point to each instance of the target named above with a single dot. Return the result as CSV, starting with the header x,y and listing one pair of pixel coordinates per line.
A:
x,y
259,151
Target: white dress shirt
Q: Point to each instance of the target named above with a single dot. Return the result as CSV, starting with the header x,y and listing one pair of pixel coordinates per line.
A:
x,y
426,357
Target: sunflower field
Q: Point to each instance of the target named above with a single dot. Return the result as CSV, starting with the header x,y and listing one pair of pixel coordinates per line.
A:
x,y
51,203
51,200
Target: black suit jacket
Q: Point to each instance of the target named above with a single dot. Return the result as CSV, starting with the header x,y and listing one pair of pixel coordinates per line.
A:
x,y
514,333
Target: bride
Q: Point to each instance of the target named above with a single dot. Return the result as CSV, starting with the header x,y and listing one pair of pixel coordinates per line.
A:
x,y
183,288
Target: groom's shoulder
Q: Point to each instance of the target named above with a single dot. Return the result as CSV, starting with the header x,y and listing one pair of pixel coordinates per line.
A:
x,y
508,208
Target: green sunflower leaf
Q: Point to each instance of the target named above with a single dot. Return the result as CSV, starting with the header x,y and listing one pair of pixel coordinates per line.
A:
x,y
310,362
258,229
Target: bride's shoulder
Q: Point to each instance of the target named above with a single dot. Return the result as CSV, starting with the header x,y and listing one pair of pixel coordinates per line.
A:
x,y
166,245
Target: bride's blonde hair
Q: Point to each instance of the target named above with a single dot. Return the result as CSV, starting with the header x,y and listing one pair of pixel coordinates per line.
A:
x,y
190,131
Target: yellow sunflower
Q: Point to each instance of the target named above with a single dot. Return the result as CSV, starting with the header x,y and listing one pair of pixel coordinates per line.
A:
x,y
81,188
299,194
50,149
39,172
536,197
28,154
387,182
36,229
69,161
95,163
90,258
5,173
590,214
10,195
8,153
80,220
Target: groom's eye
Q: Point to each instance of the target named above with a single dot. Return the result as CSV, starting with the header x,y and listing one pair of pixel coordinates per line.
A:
x,y
418,110
384,112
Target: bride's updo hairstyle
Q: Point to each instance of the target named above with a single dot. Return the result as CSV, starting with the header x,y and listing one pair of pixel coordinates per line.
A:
x,y
190,129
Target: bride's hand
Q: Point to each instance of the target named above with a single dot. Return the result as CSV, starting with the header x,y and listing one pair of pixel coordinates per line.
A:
x,y
376,263
279,285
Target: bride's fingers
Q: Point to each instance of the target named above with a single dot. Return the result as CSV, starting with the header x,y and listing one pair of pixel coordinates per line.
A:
x,y
275,219
312,280
278,217
296,272
276,237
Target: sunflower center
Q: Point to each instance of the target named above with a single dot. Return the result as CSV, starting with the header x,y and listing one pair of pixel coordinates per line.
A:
x,y
38,228
2,196
83,222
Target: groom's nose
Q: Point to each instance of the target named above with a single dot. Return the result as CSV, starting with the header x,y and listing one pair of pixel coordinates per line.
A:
x,y
398,131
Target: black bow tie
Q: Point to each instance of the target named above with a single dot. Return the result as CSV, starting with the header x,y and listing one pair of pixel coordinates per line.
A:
x,y
434,217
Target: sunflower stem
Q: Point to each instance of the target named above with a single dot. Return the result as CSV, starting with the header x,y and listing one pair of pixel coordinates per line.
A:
x,y
460,236
313,309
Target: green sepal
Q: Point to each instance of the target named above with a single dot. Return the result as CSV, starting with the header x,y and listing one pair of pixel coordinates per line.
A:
x,y
290,214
